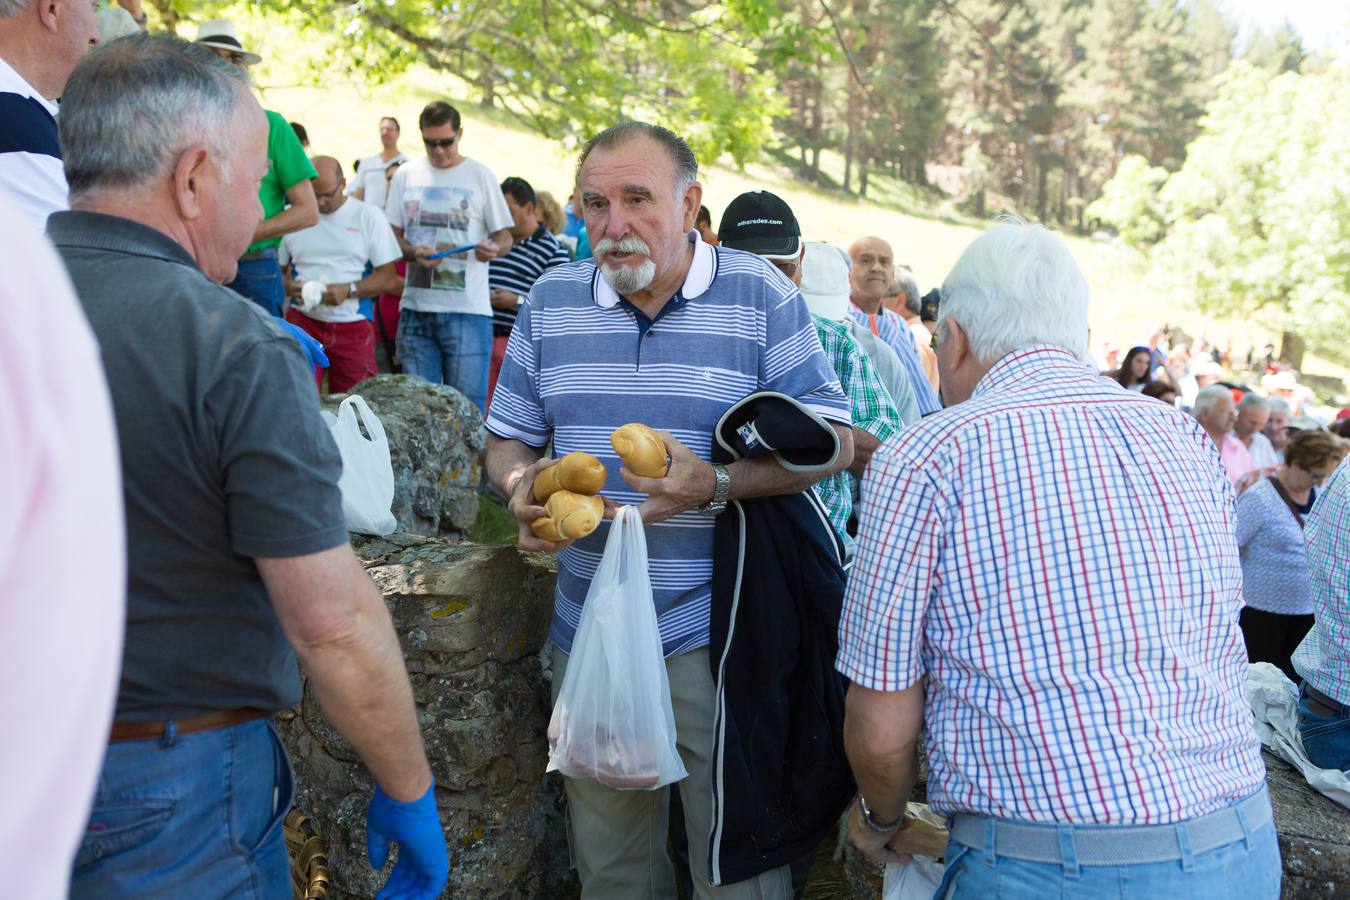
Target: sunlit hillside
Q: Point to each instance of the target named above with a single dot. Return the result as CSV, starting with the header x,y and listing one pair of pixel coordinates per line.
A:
x,y
342,119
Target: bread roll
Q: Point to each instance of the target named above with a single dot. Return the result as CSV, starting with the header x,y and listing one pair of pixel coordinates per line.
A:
x,y
641,449
570,516
577,472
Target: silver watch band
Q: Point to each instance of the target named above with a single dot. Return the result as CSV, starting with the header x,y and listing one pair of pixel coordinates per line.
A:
x,y
721,490
872,823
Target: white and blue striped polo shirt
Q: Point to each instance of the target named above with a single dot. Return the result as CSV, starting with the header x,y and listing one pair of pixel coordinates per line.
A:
x,y
583,361
31,172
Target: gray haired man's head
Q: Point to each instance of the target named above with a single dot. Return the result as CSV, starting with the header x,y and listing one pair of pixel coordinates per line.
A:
x,y
686,164
906,288
44,41
131,109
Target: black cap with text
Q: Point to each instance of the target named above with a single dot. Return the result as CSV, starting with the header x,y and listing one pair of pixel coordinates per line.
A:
x,y
761,223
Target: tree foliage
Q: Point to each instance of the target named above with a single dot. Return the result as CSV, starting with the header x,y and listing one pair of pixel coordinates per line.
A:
x,y
1257,219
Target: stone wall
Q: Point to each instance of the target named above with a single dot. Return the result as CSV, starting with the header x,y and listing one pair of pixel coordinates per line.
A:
x,y
471,620
436,441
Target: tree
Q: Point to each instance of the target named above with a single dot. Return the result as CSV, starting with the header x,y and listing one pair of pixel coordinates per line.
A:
x,y
569,68
1276,50
1257,220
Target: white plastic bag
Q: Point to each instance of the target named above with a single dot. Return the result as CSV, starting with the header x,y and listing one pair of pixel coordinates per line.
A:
x,y
1274,701
613,722
917,879
367,482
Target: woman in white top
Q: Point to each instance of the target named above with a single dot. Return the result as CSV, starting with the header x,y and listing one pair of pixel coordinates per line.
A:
x,y
1269,524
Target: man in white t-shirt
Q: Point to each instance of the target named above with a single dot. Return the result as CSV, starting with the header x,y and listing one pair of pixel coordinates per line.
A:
x,y
332,256
443,203
40,44
369,182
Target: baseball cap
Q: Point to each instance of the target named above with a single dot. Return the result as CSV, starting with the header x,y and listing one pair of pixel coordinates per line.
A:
x,y
824,284
761,223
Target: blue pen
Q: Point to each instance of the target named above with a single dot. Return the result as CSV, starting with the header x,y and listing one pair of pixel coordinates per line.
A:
x,y
451,252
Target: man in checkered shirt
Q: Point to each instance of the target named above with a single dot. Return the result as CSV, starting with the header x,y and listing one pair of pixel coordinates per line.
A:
x,y
1047,582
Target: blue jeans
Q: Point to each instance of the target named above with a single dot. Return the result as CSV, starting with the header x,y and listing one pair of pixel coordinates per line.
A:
x,y
1248,869
1326,739
195,815
259,279
447,348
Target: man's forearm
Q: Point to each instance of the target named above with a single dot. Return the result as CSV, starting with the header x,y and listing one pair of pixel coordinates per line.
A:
x,y
864,445
764,477
505,461
503,240
881,739
384,280
288,220
360,681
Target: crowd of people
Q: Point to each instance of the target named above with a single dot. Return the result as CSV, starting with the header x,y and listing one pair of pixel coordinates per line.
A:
x,y
885,515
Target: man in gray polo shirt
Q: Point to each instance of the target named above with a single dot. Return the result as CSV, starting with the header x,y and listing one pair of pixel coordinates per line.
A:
x,y
664,329
236,547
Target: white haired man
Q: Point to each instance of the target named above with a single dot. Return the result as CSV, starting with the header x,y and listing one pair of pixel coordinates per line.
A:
x,y
903,299
40,44
237,552
1084,679
1267,446
1215,410
670,332
1252,415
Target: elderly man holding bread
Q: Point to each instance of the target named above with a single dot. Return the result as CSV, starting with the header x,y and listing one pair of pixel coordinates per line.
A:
x,y
664,333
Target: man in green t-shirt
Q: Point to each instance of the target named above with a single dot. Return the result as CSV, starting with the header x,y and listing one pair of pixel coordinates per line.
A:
x,y
287,196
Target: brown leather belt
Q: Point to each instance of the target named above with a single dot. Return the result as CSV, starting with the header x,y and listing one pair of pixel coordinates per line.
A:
x,y
1320,703
154,729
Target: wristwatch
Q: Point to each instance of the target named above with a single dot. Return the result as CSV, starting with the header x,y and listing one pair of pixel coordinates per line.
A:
x,y
721,487
351,290
878,827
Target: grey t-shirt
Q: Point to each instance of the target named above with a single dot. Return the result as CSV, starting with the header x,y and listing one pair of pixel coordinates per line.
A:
x,y
224,458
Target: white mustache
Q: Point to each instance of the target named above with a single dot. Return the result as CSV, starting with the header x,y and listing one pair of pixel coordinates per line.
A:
x,y
630,244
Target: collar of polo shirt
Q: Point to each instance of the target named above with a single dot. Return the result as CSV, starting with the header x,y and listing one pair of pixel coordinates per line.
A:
x,y
697,280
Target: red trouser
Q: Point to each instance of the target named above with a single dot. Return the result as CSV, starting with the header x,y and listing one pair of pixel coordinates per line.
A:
x,y
495,367
350,347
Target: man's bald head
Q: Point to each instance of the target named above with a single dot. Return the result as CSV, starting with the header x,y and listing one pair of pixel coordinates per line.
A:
x,y
328,184
870,277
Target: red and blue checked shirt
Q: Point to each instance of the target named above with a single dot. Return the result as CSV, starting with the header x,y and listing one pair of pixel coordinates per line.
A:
x,y
1055,557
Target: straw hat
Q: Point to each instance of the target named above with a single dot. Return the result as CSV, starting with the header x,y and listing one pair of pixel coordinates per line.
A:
x,y
219,33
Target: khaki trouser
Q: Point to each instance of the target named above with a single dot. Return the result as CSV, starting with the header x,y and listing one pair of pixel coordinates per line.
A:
x,y
618,838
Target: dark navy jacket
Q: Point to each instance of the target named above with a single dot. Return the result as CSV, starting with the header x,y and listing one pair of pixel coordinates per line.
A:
x,y
780,777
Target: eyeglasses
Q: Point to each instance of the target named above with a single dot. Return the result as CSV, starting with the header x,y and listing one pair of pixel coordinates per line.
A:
x,y
443,143
1318,477
329,195
786,267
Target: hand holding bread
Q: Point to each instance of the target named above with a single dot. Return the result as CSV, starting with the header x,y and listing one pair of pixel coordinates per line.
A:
x,y
568,516
641,449
578,472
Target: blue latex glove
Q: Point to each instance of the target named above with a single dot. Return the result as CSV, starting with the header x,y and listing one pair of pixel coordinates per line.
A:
x,y
423,862
313,349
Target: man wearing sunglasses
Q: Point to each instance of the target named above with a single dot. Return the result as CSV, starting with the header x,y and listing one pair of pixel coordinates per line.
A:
x,y
286,194
451,220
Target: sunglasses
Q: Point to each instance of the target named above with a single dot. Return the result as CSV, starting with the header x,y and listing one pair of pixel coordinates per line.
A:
x,y
443,143
236,57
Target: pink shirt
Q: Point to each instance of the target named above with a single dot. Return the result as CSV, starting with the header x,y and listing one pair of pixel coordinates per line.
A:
x,y
1236,460
62,569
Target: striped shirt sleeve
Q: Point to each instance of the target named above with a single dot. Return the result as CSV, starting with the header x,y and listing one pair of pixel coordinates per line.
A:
x,y
516,411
